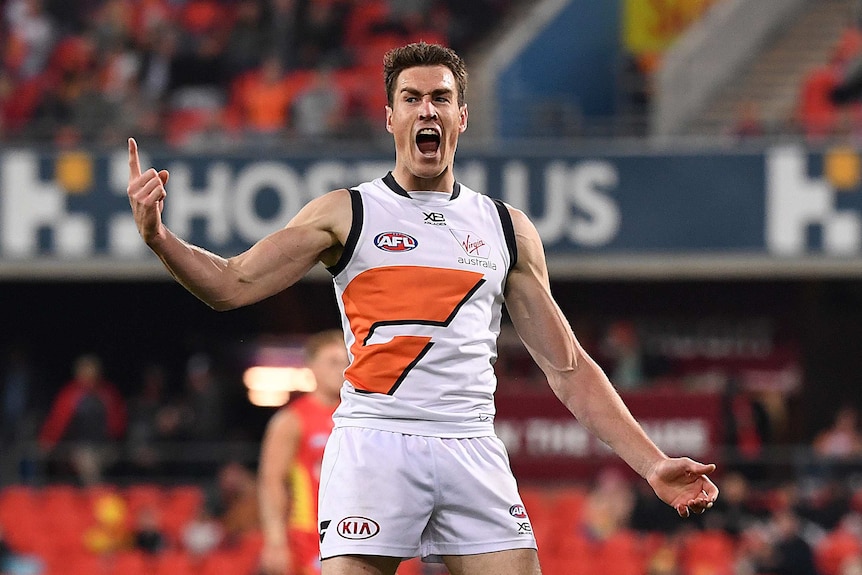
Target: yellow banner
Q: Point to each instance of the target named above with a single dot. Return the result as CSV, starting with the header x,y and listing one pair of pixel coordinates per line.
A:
x,y
650,26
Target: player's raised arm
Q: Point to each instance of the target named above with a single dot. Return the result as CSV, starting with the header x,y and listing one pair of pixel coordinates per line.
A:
x,y
583,387
274,263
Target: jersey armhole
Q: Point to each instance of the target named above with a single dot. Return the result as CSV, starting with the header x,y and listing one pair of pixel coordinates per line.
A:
x,y
352,236
508,231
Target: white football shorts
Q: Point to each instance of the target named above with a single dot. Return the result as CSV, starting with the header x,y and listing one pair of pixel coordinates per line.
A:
x,y
384,493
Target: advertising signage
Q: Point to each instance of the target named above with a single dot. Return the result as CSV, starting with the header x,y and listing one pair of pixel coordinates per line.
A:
x,y
545,442
778,211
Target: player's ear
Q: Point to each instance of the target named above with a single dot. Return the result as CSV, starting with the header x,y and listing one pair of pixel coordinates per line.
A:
x,y
389,119
462,125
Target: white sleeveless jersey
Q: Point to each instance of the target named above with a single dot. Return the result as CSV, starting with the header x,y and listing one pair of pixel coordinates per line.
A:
x,y
420,290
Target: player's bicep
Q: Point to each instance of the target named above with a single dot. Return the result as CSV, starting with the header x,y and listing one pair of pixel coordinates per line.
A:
x,y
535,314
282,258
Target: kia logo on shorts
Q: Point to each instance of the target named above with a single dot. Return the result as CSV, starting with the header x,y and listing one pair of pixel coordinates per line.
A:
x,y
395,242
355,527
518,511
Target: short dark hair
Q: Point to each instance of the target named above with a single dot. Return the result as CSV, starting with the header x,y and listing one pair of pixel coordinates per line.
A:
x,y
421,54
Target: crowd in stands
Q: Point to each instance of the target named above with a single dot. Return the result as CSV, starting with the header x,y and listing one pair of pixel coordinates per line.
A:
x,y
830,99
210,72
150,514
207,75
793,526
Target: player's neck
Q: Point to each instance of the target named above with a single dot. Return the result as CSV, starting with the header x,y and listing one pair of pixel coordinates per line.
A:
x,y
445,182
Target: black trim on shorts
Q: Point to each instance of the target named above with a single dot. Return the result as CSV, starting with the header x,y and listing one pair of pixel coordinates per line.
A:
x,y
352,236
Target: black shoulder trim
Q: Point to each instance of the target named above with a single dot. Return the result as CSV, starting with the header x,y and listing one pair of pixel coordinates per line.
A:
x,y
508,231
352,236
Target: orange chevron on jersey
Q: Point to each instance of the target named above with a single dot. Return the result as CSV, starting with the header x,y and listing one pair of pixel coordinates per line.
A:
x,y
420,289
435,297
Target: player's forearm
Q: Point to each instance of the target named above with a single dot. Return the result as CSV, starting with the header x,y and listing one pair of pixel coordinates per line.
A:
x,y
204,274
591,398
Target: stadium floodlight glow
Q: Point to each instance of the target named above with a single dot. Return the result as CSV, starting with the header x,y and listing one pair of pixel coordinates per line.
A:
x,y
270,386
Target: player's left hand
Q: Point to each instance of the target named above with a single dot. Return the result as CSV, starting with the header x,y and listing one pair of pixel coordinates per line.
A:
x,y
684,484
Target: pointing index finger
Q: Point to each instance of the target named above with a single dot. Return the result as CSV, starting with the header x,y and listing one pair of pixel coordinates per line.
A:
x,y
134,162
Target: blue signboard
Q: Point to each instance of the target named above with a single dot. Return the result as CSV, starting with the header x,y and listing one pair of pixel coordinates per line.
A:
x,y
67,213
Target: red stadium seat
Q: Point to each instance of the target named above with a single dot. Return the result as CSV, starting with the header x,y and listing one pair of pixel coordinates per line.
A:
x,y
623,551
362,19
144,495
175,562
132,563
708,552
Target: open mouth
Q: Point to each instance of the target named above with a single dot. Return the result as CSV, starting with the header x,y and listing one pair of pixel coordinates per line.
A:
x,y
428,141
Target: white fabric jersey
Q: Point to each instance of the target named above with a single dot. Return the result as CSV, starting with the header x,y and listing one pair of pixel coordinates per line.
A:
x,y
420,289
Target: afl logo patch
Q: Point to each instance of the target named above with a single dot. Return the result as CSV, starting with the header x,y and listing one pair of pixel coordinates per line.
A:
x,y
395,242
355,527
518,511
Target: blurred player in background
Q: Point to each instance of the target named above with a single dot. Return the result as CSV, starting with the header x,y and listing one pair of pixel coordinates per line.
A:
x,y
422,266
289,471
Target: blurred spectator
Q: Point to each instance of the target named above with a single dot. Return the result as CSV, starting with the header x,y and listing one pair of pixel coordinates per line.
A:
x,y
664,558
651,517
623,350
842,440
150,423
72,17
319,109
848,52
733,513
754,551
825,503
282,28
471,20
31,38
839,547
234,501
791,554
202,534
110,24
148,534
161,62
320,33
629,364
110,533
249,38
827,102
262,98
194,420
203,400
818,114
155,68
16,391
5,551
77,112
87,415
14,563
609,505
837,450
748,430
